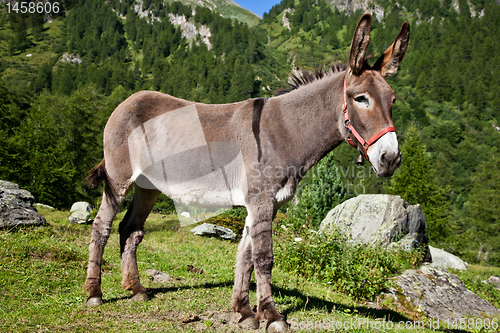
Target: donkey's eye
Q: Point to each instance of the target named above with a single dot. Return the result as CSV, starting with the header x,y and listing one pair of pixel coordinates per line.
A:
x,y
362,99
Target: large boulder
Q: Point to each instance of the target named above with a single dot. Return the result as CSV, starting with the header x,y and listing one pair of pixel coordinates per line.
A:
x,y
441,258
379,220
16,207
438,294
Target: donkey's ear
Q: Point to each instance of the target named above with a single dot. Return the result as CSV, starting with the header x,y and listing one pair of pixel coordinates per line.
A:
x,y
359,44
388,62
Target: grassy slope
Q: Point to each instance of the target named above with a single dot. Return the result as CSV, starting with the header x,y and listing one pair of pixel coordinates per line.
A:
x,y
300,45
227,8
18,65
42,271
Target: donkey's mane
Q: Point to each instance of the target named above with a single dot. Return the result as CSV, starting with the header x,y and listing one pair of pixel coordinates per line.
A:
x,y
303,77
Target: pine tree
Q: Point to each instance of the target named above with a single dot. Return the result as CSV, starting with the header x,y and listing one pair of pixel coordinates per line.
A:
x,y
241,82
483,211
414,181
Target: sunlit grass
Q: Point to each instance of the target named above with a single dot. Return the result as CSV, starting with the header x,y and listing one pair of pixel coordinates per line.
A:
x,y
42,272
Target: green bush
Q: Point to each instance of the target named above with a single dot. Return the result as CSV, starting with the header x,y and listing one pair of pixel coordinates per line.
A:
x,y
164,205
357,270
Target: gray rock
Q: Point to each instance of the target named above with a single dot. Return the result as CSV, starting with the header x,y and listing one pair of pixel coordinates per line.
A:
x,y
16,207
494,281
80,217
158,276
441,258
379,220
438,294
43,206
80,213
210,230
81,206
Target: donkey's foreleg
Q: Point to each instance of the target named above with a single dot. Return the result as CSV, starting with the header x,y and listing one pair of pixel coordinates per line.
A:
x,y
263,259
243,273
101,229
131,234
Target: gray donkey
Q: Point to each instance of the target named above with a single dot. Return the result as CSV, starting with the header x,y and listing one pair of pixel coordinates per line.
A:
x,y
251,153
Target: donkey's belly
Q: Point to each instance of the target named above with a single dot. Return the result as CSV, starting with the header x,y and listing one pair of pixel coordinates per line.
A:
x,y
170,153
197,183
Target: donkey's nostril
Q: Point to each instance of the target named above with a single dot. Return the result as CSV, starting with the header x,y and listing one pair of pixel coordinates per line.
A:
x,y
383,159
389,159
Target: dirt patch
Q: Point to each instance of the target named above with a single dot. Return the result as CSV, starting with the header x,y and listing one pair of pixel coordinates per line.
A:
x,y
216,321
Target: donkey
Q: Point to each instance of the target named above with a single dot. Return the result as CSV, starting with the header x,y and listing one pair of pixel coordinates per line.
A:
x,y
251,153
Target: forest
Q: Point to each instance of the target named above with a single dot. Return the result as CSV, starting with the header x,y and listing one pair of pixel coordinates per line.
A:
x,y
447,111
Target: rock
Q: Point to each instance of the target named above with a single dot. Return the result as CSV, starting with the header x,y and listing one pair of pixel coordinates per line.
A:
x,y
16,207
43,206
364,5
80,217
80,213
158,276
494,281
189,30
186,214
210,230
441,258
380,220
438,294
67,57
286,22
81,206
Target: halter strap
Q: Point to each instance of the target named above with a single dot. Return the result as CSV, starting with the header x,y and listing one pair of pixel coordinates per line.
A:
x,y
348,125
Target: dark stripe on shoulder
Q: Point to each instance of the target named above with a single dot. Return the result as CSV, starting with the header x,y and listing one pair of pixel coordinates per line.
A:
x,y
257,114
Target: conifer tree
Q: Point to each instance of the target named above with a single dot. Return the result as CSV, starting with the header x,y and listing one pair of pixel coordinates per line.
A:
x,y
414,181
483,211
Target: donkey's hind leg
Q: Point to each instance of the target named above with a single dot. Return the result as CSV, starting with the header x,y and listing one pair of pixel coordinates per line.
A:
x,y
101,229
131,234
243,273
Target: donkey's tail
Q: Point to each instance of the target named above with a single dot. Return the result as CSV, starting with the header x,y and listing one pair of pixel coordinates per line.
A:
x,y
97,175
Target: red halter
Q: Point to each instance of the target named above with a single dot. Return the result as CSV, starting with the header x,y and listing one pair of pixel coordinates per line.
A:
x,y
348,125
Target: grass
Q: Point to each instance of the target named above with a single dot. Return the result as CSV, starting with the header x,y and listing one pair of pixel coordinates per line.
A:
x,y
42,271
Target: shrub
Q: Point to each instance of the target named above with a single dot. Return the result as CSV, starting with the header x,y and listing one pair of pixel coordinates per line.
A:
x,y
233,219
357,270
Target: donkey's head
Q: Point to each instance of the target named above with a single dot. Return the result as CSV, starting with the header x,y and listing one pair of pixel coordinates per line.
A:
x,y
368,99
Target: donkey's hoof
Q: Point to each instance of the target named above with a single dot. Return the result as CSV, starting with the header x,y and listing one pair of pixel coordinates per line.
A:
x,y
140,297
249,323
277,326
94,301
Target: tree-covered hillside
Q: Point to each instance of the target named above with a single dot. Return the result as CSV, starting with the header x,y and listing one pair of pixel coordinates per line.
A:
x,y
60,82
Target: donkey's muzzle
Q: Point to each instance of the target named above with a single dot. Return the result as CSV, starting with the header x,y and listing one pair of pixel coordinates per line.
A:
x,y
389,162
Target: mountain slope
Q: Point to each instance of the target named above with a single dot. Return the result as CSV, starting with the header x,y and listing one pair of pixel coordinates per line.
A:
x,y
226,8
